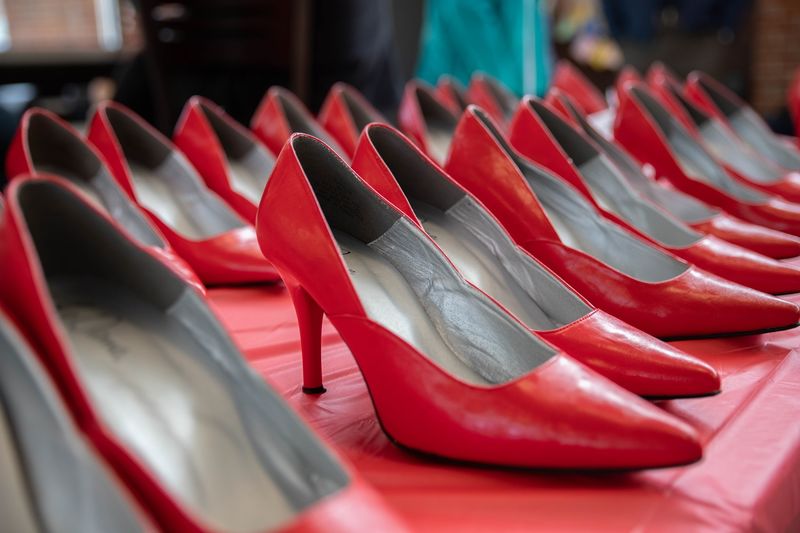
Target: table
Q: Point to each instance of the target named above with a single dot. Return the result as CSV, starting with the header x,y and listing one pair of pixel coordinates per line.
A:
x,y
749,479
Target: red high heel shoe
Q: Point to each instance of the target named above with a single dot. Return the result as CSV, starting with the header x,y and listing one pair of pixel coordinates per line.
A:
x,y
46,144
47,466
480,386
481,249
218,243
280,114
232,162
426,120
492,96
716,99
156,384
345,113
540,134
736,156
651,134
685,208
452,93
612,268
570,80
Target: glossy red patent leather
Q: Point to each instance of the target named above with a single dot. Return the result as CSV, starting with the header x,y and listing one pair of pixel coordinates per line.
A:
x,y
627,75
26,293
410,116
694,91
337,118
543,418
272,123
452,94
195,137
232,257
692,304
765,241
786,185
629,357
481,94
637,132
569,79
19,161
533,139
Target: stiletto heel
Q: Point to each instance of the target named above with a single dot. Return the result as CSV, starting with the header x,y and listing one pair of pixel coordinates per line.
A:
x,y
449,371
309,321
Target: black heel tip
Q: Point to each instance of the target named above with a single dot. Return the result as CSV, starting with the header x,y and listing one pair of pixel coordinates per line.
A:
x,y
313,390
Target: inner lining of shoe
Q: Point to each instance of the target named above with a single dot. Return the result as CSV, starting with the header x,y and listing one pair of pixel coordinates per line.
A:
x,y
612,193
167,380
507,101
476,243
166,184
684,207
362,115
580,226
729,149
249,163
409,287
694,160
58,151
440,125
300,122
749,126
608,187
45,464
720,101
16,506
725,146
459,93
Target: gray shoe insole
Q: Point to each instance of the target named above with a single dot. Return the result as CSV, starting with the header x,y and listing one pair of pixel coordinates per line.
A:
x,y
186,207
698,164
247,182
145,374
438,140
16,512
154,194
728,149
481,267
85,186
751,128
391,301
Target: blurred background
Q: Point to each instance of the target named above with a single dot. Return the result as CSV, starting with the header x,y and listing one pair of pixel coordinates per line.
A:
x,y
152,55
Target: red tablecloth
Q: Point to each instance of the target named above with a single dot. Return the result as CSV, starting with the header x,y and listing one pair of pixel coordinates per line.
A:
x,y
749,479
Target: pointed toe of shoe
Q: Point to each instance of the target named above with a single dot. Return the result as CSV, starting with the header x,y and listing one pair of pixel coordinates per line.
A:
x,y
633,359
711,306
752,311
768,242
606,426
667,443
743,266
234,257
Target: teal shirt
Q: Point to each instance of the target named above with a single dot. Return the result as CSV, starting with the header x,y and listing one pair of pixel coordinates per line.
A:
x,y
507,39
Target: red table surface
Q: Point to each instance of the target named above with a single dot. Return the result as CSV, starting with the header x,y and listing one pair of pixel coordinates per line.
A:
x,y
748,480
